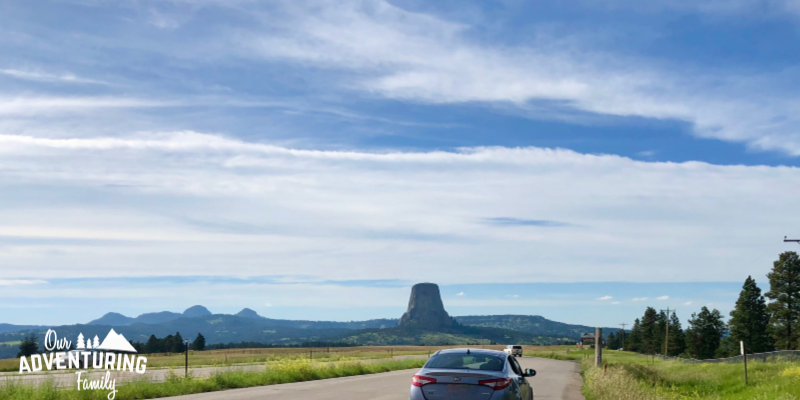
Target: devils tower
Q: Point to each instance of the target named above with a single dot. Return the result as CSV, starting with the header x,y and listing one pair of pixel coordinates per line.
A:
x,y
425,309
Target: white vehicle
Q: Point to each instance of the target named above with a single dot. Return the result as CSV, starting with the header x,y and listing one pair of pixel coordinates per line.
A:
x,y
513,350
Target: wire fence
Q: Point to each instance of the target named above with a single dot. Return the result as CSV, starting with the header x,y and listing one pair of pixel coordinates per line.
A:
x,y
772,356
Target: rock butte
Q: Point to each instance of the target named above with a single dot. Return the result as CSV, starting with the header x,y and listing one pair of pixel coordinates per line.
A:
x,y
425,309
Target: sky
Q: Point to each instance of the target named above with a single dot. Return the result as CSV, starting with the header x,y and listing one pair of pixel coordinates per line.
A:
x,y
313,160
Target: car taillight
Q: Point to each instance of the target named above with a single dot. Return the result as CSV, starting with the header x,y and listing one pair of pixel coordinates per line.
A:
x,y
420,380
496,384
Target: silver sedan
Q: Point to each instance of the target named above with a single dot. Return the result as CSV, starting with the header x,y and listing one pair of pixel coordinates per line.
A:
x,y
471,374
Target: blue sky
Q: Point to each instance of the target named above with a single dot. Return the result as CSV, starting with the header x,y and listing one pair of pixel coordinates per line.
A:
x,y
194,151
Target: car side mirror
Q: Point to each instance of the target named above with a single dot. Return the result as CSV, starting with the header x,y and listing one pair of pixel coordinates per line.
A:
x,y
530,372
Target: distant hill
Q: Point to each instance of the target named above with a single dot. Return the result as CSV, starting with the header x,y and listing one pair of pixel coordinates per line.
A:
x,y
456,335
217,328
15,328
157,318
248,313
196,311
117,319
425,323
533,324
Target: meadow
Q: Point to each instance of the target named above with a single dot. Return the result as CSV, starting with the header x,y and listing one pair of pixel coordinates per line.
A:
x,y
255,356
284,371
632,376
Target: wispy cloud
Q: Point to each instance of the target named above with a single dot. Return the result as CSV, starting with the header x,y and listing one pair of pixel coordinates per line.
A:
x,y
639,298
423,58
460,294
662,298
615,302
605,298
368,195
505,221
688,303
49,77
15,282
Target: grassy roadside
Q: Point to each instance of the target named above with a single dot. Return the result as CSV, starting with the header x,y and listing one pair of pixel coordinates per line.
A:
x,y
285,371
257,356
635,377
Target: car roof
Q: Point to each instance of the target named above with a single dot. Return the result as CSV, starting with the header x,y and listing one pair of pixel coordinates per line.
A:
x,y
496,353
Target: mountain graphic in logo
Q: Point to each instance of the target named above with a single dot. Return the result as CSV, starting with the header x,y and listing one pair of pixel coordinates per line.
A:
x,y
115,341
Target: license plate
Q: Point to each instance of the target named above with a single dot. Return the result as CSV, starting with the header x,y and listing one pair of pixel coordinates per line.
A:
x,y
458,390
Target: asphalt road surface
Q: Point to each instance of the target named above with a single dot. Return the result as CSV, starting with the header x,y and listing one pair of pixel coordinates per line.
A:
x,y
554,380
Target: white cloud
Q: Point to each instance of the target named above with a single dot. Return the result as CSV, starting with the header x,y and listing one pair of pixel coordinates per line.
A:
x,y
639,298
56,105
662,298
605,298
688,303
268,304
614,302
460,294
370,215
416,57
14,282
48,77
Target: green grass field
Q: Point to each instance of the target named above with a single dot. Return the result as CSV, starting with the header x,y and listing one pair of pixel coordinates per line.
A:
x,y
285,371
252,356
635,377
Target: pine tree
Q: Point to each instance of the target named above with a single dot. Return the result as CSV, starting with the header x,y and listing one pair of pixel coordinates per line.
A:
x,y
705,333
784,290
199,342
677,339
80,344
634,341
153,345
611,341
649,331
750,320
660,332
177,344
28,346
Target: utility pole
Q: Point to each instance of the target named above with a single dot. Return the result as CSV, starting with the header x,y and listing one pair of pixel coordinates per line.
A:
x,y
623,335
791,240
666,340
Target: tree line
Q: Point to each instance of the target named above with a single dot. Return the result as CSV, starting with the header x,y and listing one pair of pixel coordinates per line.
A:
x,y
169,344
760,325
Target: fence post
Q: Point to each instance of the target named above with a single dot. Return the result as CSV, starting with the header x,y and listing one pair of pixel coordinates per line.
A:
x,y
598,347
744,356
311,354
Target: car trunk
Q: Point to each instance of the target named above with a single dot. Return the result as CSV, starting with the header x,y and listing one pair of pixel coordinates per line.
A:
x,y
454,384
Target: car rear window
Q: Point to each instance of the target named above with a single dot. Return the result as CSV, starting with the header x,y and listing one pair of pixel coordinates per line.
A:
x,y
517,347
465,361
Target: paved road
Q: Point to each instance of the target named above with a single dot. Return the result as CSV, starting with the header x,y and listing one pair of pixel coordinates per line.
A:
x,y
555,380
